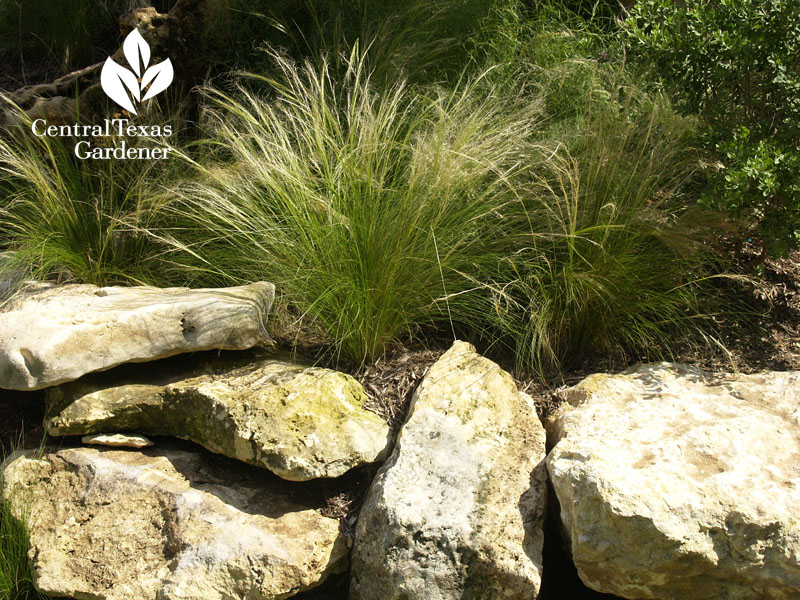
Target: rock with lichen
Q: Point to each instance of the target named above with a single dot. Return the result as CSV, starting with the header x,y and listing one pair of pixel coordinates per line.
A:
x,y
167,525
299,422
52,334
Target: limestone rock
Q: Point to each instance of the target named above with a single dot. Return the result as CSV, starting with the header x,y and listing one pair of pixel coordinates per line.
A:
x,y
117,440
58,333
167,525
299,422
457,510
681,485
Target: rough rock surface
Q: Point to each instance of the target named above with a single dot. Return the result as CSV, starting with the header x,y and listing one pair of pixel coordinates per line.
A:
x,y
54,334
167,525
117,440
680,485
457,510
299,422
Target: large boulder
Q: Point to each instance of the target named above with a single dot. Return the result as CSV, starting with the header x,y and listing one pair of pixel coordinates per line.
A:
x,y
457,510
299,422
53,334
681,485
167,525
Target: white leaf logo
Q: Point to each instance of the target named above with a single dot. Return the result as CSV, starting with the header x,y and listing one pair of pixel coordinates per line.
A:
x,y
117,81
114,79
161,76
135,48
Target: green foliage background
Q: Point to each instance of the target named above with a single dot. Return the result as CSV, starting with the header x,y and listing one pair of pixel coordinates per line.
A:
x,y
492,170
737,64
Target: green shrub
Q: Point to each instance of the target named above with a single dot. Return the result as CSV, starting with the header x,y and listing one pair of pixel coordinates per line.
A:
x,y
365,207
611,264
737,64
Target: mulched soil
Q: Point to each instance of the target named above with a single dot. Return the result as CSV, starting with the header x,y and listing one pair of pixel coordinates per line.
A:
x,y
391,380
778,297
765,334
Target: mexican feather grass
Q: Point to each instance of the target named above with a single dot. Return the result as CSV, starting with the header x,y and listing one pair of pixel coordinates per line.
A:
x,y
365,208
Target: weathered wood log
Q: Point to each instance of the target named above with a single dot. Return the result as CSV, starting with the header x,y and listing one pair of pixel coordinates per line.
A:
x,y
177,35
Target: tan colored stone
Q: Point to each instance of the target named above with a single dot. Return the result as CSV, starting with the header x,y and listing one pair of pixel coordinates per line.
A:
x,y
457,510
117,440
167,525
297,421
678,484
55,334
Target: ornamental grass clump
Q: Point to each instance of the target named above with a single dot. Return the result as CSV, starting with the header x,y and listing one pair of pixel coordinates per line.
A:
x,y
614,262
77,220
365,206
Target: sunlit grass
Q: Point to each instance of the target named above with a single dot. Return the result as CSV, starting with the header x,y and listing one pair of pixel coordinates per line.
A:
x,y
69,218
16,577
365,206
614,263
540,209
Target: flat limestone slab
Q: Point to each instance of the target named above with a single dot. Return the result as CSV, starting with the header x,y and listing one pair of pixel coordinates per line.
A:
x,y
679,484
458,509
117,440
167,525
299,422
54,334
